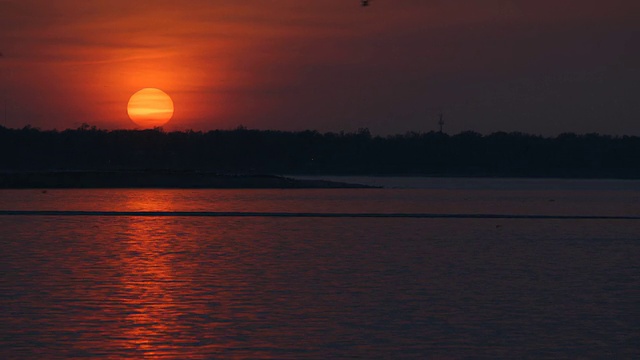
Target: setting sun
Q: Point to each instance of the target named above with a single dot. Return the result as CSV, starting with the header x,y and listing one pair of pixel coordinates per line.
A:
x,y
150,107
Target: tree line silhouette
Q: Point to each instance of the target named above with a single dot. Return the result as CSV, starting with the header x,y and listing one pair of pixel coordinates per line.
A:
x,y
310,152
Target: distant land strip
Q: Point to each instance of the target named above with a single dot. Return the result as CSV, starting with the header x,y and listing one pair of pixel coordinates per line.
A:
x,y
305,215
196,159
164,179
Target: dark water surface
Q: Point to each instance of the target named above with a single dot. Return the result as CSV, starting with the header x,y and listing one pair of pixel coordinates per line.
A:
x,y
260,287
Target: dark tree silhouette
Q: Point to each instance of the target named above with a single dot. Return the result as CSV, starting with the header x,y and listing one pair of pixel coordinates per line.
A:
x,y
309,152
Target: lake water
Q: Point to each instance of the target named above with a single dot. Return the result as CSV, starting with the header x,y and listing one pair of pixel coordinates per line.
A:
x,y
202,287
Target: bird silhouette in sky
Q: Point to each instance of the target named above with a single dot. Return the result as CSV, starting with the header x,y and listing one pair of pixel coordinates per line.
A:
x,y
365,2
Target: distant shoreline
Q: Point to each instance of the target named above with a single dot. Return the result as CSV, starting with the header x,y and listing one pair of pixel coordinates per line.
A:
x,y
167,179
244,151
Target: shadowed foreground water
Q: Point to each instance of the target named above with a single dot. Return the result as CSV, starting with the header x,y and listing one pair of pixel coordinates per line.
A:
x,y
258,287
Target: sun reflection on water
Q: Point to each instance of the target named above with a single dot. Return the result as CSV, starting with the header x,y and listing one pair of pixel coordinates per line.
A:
x,y
203,288
146,269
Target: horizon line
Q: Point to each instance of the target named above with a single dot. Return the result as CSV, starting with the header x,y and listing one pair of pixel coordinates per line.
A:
x,y
308,215
359,131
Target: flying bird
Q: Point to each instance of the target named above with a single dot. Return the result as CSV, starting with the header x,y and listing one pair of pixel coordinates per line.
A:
x,y
365,2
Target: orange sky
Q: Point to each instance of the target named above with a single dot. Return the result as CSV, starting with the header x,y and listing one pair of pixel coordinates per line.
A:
x,y
535,66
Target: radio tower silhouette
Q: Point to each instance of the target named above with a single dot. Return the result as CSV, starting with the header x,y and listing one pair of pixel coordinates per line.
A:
x,y
441,122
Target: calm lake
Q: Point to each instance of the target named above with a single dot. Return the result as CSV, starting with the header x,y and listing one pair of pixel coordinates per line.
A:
x,y
296,287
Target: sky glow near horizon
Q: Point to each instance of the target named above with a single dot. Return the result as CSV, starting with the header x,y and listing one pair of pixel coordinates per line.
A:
x,y
534,66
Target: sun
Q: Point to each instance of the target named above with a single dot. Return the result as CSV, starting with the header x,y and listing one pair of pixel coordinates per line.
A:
x,y
150,107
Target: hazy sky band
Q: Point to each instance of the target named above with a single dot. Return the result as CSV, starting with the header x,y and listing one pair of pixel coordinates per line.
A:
x,y
534,66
